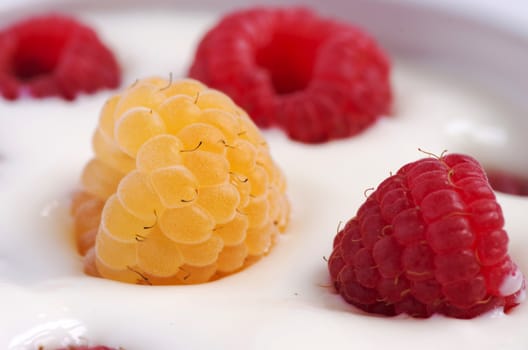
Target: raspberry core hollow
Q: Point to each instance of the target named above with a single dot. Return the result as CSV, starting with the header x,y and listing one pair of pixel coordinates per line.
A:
x,y
182,187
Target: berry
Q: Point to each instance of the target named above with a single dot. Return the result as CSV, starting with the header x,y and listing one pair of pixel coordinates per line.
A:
x,y
54,56
505,182
429,239
182,188
316,78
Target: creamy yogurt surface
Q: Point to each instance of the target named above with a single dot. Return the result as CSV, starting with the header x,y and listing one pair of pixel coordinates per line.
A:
x,y
285,300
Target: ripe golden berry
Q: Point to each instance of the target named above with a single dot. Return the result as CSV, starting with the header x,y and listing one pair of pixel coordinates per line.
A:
x,y
189,188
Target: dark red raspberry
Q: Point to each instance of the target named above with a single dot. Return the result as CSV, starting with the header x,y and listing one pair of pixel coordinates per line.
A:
x,y
318,79
429,239
54,56
506,182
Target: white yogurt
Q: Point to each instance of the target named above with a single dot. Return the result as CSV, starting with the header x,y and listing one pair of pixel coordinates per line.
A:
x,y
283,301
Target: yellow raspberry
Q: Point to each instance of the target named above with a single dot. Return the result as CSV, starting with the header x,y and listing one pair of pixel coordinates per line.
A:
x,y
182,188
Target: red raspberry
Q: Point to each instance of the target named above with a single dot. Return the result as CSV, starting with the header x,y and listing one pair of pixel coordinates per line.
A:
x,y
505,182
429,239
54,56
318,79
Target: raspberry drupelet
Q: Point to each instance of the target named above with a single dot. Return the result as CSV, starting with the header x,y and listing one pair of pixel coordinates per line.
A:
x,y
317,79
182,188
430,239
